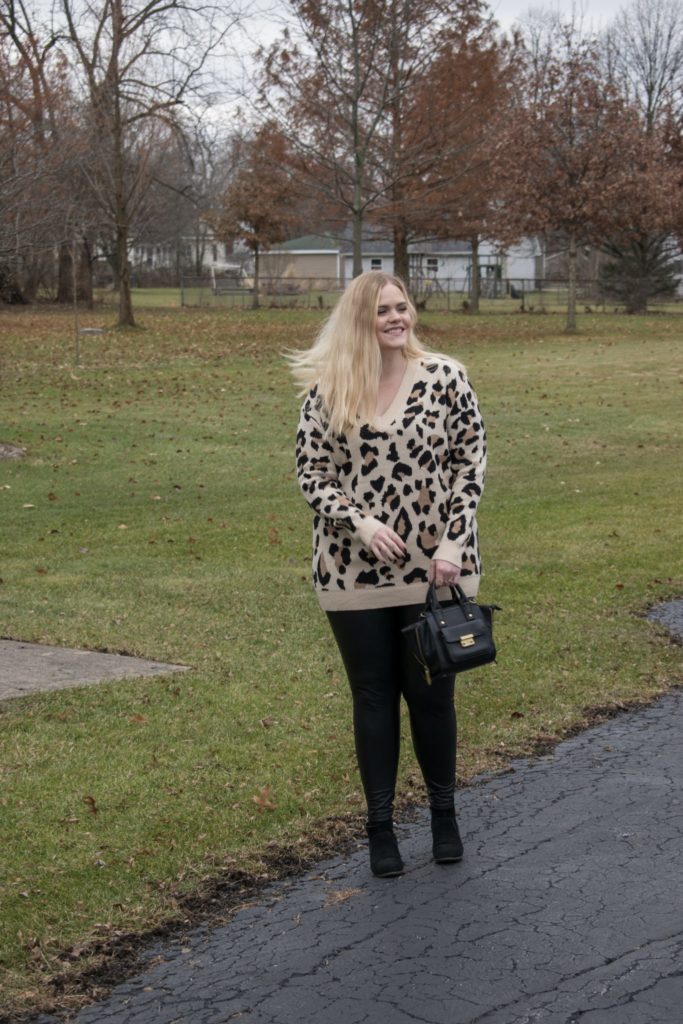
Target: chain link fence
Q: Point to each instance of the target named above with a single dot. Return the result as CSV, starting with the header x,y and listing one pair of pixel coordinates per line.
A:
x,y
498,295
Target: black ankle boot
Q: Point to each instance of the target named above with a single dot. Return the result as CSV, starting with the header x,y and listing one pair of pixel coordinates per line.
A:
x,y
385,860
447,845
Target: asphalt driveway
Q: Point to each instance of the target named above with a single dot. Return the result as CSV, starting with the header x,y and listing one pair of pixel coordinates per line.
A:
x,y
567,909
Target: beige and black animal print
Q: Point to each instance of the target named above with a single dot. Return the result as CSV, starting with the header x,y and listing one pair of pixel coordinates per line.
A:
x,y
419,468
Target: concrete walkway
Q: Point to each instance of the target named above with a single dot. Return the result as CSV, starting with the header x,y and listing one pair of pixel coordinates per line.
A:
x,y
31,668
567,909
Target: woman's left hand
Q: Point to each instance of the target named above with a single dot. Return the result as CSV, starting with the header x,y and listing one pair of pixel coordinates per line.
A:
x,y
442,573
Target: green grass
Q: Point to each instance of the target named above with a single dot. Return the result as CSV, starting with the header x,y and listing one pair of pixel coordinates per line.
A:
x,y
157,513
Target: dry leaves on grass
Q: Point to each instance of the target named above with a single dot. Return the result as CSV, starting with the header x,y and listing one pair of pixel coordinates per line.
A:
x,y
263,801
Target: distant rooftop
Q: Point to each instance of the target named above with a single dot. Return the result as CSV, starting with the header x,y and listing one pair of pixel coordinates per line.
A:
x,y
311,243
372,246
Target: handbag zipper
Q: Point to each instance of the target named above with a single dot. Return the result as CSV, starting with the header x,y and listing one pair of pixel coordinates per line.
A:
x,y
423,663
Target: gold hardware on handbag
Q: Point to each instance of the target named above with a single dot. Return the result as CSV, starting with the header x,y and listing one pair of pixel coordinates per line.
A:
x,y
467,640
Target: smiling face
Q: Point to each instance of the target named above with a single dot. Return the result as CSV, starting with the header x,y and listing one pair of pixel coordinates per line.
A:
x,y
393,322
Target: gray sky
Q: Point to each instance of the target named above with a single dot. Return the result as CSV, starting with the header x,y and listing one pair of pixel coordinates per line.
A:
x,y
596,14
265,19
262,23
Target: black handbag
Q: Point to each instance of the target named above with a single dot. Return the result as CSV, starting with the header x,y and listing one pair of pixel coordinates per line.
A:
x,y
453,637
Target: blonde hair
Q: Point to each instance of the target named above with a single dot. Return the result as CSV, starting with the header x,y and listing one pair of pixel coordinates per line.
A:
x,y
345,360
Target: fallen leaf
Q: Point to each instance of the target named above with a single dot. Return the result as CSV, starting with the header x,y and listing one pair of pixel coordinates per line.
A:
x,y
263,801
89,801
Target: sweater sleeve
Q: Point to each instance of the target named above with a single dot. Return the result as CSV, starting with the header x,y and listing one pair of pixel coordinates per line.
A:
x,y
319,480
467,445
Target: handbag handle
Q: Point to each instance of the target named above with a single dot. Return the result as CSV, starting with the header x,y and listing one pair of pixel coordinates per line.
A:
x,y
434,605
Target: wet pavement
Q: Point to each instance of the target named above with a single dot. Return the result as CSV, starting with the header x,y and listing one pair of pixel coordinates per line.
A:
x,y
567,909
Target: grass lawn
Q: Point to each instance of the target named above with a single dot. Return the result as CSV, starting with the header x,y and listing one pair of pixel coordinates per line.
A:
x,y
157,513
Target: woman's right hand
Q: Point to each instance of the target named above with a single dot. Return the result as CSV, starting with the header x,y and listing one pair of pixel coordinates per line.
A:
x,y
387,546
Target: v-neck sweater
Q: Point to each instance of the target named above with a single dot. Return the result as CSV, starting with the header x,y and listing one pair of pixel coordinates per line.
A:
x,y
418,468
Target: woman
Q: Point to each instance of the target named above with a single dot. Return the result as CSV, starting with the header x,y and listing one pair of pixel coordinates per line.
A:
x,y
391,456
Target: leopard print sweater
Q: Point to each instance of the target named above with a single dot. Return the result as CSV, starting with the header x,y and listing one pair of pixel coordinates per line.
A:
x,y
418,468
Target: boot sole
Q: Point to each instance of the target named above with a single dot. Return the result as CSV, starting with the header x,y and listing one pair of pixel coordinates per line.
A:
x,y
447,858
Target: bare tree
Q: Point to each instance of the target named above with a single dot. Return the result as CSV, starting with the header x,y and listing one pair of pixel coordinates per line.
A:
x,y
140,61
644,49
210,159
36,163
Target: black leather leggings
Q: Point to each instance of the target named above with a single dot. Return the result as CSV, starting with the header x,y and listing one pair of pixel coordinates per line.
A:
x,y
381,666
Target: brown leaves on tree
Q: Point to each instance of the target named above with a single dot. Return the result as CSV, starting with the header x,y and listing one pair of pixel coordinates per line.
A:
x,y
577,159
259,205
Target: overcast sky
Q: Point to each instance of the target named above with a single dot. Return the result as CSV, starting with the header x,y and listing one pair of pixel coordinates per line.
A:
x,y
595,14
264,17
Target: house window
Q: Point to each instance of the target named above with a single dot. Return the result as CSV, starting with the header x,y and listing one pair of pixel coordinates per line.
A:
x,y
432,265
214,253
375,263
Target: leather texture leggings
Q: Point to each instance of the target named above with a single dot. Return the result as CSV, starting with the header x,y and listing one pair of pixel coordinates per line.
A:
x,y
381,667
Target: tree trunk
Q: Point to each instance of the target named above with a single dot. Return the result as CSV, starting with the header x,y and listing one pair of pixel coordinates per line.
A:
x,y
85,283
31,278
64,274
121,205
126,318
10,289
199,249
357,242
475,281
401,258
255,298
112,262
570,326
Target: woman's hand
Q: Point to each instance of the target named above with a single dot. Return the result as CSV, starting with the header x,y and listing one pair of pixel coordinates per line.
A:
x,y
387,546
442,573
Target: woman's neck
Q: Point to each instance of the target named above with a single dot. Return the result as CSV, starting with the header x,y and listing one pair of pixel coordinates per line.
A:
x,y
393,365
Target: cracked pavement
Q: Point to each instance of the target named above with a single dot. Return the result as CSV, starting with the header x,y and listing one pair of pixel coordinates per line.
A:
x,y
567,909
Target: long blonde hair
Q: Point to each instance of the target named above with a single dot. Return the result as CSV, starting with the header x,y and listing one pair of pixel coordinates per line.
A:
x,y
345,360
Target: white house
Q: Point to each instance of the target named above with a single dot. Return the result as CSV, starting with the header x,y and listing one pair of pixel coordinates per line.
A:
x,y
324,258
190,252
